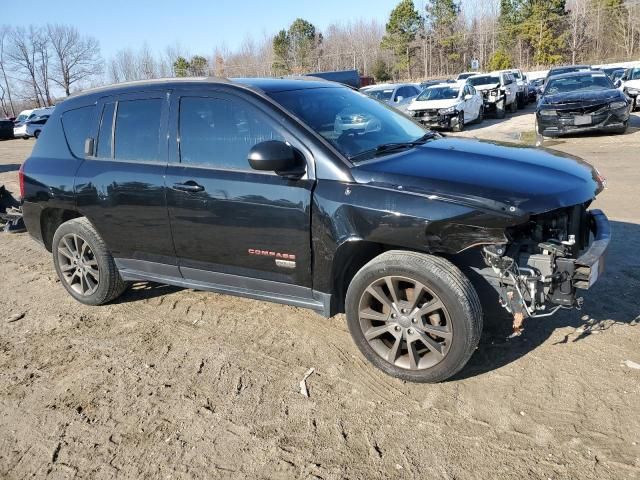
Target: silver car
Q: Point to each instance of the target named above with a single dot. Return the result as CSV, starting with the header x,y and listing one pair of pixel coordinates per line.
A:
x,y
398,95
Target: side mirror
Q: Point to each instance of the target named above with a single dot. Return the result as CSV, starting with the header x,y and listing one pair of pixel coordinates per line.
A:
x,y
399,98
88,147
468,96
276,156
617,83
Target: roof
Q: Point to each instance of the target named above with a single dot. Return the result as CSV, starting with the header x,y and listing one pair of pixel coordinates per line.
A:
x,y
569,66
267,85
579,74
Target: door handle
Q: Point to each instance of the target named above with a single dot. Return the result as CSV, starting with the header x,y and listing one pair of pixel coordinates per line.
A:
x,y
189,186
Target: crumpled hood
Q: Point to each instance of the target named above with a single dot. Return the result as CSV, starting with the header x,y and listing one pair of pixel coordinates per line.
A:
x,y
501,177
632,84
586,96
430,104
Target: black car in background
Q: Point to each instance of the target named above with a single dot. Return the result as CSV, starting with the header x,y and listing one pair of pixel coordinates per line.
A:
x,y
6,129
581,101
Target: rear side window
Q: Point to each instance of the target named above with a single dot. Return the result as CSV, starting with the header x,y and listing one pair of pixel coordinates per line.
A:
x,y
76,125
137,132
220,132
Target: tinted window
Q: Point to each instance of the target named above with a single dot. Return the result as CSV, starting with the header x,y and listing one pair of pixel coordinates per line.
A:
x,y
106,127
220,132
138,129
353,123
582,82
76,124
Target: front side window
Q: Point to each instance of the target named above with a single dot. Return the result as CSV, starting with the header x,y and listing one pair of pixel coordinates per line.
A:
x,y
349,120
76,125
137,131
219,132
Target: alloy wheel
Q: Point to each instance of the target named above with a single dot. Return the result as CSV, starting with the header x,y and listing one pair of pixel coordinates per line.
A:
x,y
405,323
78,264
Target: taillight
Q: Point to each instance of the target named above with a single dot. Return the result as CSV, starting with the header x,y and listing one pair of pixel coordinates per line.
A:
x,y
21,180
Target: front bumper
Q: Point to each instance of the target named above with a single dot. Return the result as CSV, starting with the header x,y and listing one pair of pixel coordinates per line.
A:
x,y
552,126
448,120
590,265
20,131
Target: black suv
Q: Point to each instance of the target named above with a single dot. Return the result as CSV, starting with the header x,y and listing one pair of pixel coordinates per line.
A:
x,y
308,193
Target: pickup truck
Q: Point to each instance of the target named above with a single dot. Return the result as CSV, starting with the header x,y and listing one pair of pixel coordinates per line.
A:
x,y
308,193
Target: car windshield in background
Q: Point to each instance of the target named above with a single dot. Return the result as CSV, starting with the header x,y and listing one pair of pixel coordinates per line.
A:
x,y
484,80
464,76
634,74
21,118
438,93
578,83
379,94
517,75
349,120
560,71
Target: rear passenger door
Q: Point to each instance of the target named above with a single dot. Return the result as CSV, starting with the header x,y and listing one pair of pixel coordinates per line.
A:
x,y
228,220
120,188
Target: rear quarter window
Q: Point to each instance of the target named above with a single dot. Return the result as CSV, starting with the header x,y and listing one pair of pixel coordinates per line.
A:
x,y
76,125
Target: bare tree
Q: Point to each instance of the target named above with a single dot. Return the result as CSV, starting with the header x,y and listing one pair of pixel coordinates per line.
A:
x,y
77,57
23,56
578,35
6,88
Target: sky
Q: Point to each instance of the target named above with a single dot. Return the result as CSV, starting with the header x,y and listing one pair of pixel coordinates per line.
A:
x,y
197,25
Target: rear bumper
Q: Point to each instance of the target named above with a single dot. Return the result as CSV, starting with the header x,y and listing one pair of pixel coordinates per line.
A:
x,y
590,265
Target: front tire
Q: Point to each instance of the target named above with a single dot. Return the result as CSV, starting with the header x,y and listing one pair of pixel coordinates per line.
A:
x,y
460,125
36,134
414,316
84,266
480,118
501,109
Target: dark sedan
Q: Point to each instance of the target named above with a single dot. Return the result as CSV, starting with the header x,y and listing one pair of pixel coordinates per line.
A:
x,y
581,101
6,129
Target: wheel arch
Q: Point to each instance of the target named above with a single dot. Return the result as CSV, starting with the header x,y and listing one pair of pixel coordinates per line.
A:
x,y
51,219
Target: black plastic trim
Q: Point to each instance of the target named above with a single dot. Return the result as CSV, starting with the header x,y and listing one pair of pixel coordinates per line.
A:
x,y
593,260
255,288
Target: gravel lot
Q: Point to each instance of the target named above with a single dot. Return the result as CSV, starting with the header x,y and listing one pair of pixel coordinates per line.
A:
x,y
173,383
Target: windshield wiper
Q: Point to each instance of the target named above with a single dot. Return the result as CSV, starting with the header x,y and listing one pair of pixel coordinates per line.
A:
x,y
391,146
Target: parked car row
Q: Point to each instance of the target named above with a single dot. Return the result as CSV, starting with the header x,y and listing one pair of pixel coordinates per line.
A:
x,y
28,123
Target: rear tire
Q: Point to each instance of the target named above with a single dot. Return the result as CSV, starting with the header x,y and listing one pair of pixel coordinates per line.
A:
x,y
426,328
84,266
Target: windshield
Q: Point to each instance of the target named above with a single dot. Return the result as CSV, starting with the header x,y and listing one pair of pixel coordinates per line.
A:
x,y
379,94
516,74
464,76
634,74
349,120
438,93
560,71
578,83
484,80
21,117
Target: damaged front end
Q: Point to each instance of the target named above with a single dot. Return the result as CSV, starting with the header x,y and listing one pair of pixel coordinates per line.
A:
x,y
546,261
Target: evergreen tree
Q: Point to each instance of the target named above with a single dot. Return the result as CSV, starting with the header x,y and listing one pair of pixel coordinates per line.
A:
x,y
198,66
543,29
294,49
442,20
181,67
401,29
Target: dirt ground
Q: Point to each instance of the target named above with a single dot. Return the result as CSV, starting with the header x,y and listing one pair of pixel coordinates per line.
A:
x,y
173,383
